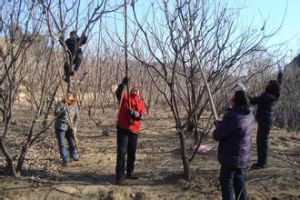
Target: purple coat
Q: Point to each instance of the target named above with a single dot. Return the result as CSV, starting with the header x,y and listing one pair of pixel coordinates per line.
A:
x,y
234,134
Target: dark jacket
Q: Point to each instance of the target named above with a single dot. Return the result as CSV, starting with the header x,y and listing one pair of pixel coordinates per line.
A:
x,y
265,103
61,121
71,44
234,136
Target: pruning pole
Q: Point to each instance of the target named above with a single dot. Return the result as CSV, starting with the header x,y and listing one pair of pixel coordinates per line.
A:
x,y
126,54
211,100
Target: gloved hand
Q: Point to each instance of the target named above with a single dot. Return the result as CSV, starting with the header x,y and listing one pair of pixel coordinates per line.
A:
x,y
125,80
74,130
280,68
217,122
134,114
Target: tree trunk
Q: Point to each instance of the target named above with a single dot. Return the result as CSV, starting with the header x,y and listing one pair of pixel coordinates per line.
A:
x,y
22,158
187,173
10,164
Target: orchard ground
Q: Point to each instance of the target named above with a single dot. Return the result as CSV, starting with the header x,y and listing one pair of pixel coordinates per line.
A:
x,y
158,165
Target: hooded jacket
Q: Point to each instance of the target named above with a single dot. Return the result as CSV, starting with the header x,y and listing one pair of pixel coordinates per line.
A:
x,y
234,136
265,103
60,112
124,118
71,44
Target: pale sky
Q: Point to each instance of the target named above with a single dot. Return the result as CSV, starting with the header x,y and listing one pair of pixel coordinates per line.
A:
x,y
277,12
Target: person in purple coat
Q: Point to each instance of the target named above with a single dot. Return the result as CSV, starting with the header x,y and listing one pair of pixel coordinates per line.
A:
x,y
234,136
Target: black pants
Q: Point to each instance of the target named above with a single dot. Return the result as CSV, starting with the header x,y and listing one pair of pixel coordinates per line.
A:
x,y
232,180
262,144
126,144
68,68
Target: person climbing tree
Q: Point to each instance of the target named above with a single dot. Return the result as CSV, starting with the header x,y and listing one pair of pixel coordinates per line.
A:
x,y
265,103
234,136
75,54
128,127
67,116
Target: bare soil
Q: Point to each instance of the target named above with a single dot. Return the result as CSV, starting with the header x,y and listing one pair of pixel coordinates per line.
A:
x,y
158,165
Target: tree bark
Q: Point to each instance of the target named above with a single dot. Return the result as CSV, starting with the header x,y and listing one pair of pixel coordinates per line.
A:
x,y
10,164
187,173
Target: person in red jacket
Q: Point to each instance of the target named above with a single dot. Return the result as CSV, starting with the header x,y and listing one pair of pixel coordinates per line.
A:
x,y
128,127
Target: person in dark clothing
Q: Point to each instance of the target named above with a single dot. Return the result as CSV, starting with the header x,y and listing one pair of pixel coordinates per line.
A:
x,y
234,136
64,129
128,127
265,103
75,54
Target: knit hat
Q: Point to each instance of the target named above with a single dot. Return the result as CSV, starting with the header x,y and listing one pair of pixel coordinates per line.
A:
x,y
70,97
239,87
135,90
240,98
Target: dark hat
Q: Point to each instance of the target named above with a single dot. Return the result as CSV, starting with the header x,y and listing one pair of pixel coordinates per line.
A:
x,y
273,88
240,87
73,32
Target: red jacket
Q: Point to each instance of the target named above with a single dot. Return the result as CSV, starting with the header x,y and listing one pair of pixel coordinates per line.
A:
x,y
124,117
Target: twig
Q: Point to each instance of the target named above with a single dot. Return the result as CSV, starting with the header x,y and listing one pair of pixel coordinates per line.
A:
x,y
259,179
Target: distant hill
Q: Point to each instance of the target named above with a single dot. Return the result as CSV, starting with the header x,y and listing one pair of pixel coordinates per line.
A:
x,y
296,61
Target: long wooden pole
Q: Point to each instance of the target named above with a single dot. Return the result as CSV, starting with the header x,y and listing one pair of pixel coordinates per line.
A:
x,y
211,100
126,53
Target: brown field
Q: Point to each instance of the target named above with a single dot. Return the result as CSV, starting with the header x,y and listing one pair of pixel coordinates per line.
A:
x,y
158,165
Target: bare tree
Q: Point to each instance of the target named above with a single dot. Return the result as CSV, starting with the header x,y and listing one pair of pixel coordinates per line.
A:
x,y
287,113
30,64
185,38
19,35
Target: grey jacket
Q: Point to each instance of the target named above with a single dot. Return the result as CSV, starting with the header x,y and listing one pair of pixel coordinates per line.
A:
x,y
60,112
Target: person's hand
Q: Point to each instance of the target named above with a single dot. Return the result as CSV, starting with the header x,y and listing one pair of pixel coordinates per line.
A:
x,y
280,68
134,114
130,111
74,130
125,80
217,121
73,73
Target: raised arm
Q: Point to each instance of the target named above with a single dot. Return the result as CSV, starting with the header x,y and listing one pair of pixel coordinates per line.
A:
x,y
255,100
279,77
83,40
225,127
121,87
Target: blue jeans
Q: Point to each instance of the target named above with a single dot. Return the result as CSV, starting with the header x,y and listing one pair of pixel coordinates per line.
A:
x,y
262,144
64,152
126,145
232,180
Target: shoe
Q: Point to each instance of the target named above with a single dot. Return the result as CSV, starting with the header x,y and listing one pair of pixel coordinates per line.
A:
x,y
132,177
66,79
119,181
75,158
64,163
73,73
255,167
